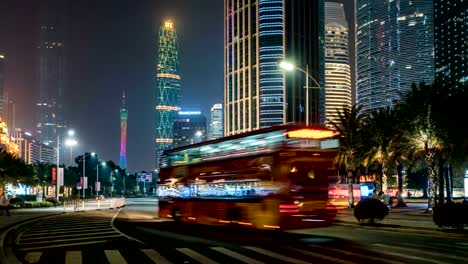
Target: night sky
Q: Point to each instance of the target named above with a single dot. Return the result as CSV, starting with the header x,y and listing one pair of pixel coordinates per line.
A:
x,y
113,46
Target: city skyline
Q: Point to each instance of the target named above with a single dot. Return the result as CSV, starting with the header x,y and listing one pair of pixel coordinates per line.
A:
x,y
111,51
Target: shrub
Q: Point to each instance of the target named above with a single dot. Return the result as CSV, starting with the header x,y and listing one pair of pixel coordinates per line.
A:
x,y
37,204
17,202
368,210
52,200
27,197
451,215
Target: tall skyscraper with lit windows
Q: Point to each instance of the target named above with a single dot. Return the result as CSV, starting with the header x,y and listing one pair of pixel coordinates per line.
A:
x,y
2,81
51,70
451,41
216,121
168,87
337,68
394,49
123,134
258,35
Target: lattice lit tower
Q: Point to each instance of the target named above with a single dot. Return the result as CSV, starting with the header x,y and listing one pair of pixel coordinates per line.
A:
x,y
168,87
123,134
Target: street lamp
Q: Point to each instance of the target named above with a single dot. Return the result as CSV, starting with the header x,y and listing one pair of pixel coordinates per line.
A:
x,y
58,162
84,169
97,184
287,66
71,142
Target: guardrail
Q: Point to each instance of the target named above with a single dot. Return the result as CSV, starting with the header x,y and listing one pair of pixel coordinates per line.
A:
x,y
91,204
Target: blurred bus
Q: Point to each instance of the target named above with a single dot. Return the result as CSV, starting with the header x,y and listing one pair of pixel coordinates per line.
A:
x,y
271,178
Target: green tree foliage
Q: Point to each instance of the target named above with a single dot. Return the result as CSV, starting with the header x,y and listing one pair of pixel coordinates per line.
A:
x,y
14,170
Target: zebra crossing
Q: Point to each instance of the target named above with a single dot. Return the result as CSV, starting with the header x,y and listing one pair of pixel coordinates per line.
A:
x,y
244,254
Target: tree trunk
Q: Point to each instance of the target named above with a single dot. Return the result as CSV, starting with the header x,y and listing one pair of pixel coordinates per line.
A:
x,y
349,181
431,192
400,177
441,177
448,182
384,177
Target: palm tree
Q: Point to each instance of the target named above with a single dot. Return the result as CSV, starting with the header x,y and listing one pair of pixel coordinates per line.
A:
x,y
349,124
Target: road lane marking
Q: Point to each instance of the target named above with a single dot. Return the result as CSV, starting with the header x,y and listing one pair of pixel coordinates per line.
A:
x,y
80,230
114,257
33,257
424,252
73,239
365,256
41,230
70,235
64,245
155,256
276,255
196,256
320,256
410,256
73,257
237,256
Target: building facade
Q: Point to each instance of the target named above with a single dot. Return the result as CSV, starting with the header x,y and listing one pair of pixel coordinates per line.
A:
x,y
451,41
2,83
189,128
258,35
394,49
168,88
7,142
32,151
51,70
123,134
216,122
338,94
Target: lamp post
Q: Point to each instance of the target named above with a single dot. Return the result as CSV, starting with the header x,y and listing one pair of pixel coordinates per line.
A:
x,y
70,133
71,142
96,187
287,66
84,170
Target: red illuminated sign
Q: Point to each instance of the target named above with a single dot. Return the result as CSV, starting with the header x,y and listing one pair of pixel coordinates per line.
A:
x,y
54,175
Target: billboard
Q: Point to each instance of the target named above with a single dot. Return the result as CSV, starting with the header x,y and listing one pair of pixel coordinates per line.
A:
x,y
144,177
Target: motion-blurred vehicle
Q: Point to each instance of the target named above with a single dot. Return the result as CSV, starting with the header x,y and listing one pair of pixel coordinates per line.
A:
x,y
272,178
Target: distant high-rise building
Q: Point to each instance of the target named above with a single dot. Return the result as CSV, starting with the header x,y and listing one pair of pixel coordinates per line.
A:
x,y
394,49
451,41
189,128
51,69
7,143
32,151
168,88
123,134
337,68
216,121
2,82
258,34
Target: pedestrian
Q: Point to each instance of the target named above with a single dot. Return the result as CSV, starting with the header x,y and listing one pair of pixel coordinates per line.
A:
x,y
4,202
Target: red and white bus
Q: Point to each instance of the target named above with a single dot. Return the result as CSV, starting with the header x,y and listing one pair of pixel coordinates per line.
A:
x,y
272,178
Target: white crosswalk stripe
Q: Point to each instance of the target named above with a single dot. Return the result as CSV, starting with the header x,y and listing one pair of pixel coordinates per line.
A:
x,y
155,256
196,256
276,255
236,255
114,257
409,255
33,257
73,257
421,252
364,256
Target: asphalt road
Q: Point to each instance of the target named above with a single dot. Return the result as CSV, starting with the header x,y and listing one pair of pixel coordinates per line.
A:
x,y
134,235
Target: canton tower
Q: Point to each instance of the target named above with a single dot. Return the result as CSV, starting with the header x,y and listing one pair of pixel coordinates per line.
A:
x,y
168,88
123,134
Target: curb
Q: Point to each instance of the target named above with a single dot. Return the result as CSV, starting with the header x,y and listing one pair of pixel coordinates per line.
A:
x,y
398,228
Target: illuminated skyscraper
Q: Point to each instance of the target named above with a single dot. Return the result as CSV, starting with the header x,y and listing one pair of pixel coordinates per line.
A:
x,y
258,35
168,87
189,128
51,70
394,48
337,68
2,92
216,122
123,134
451,41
